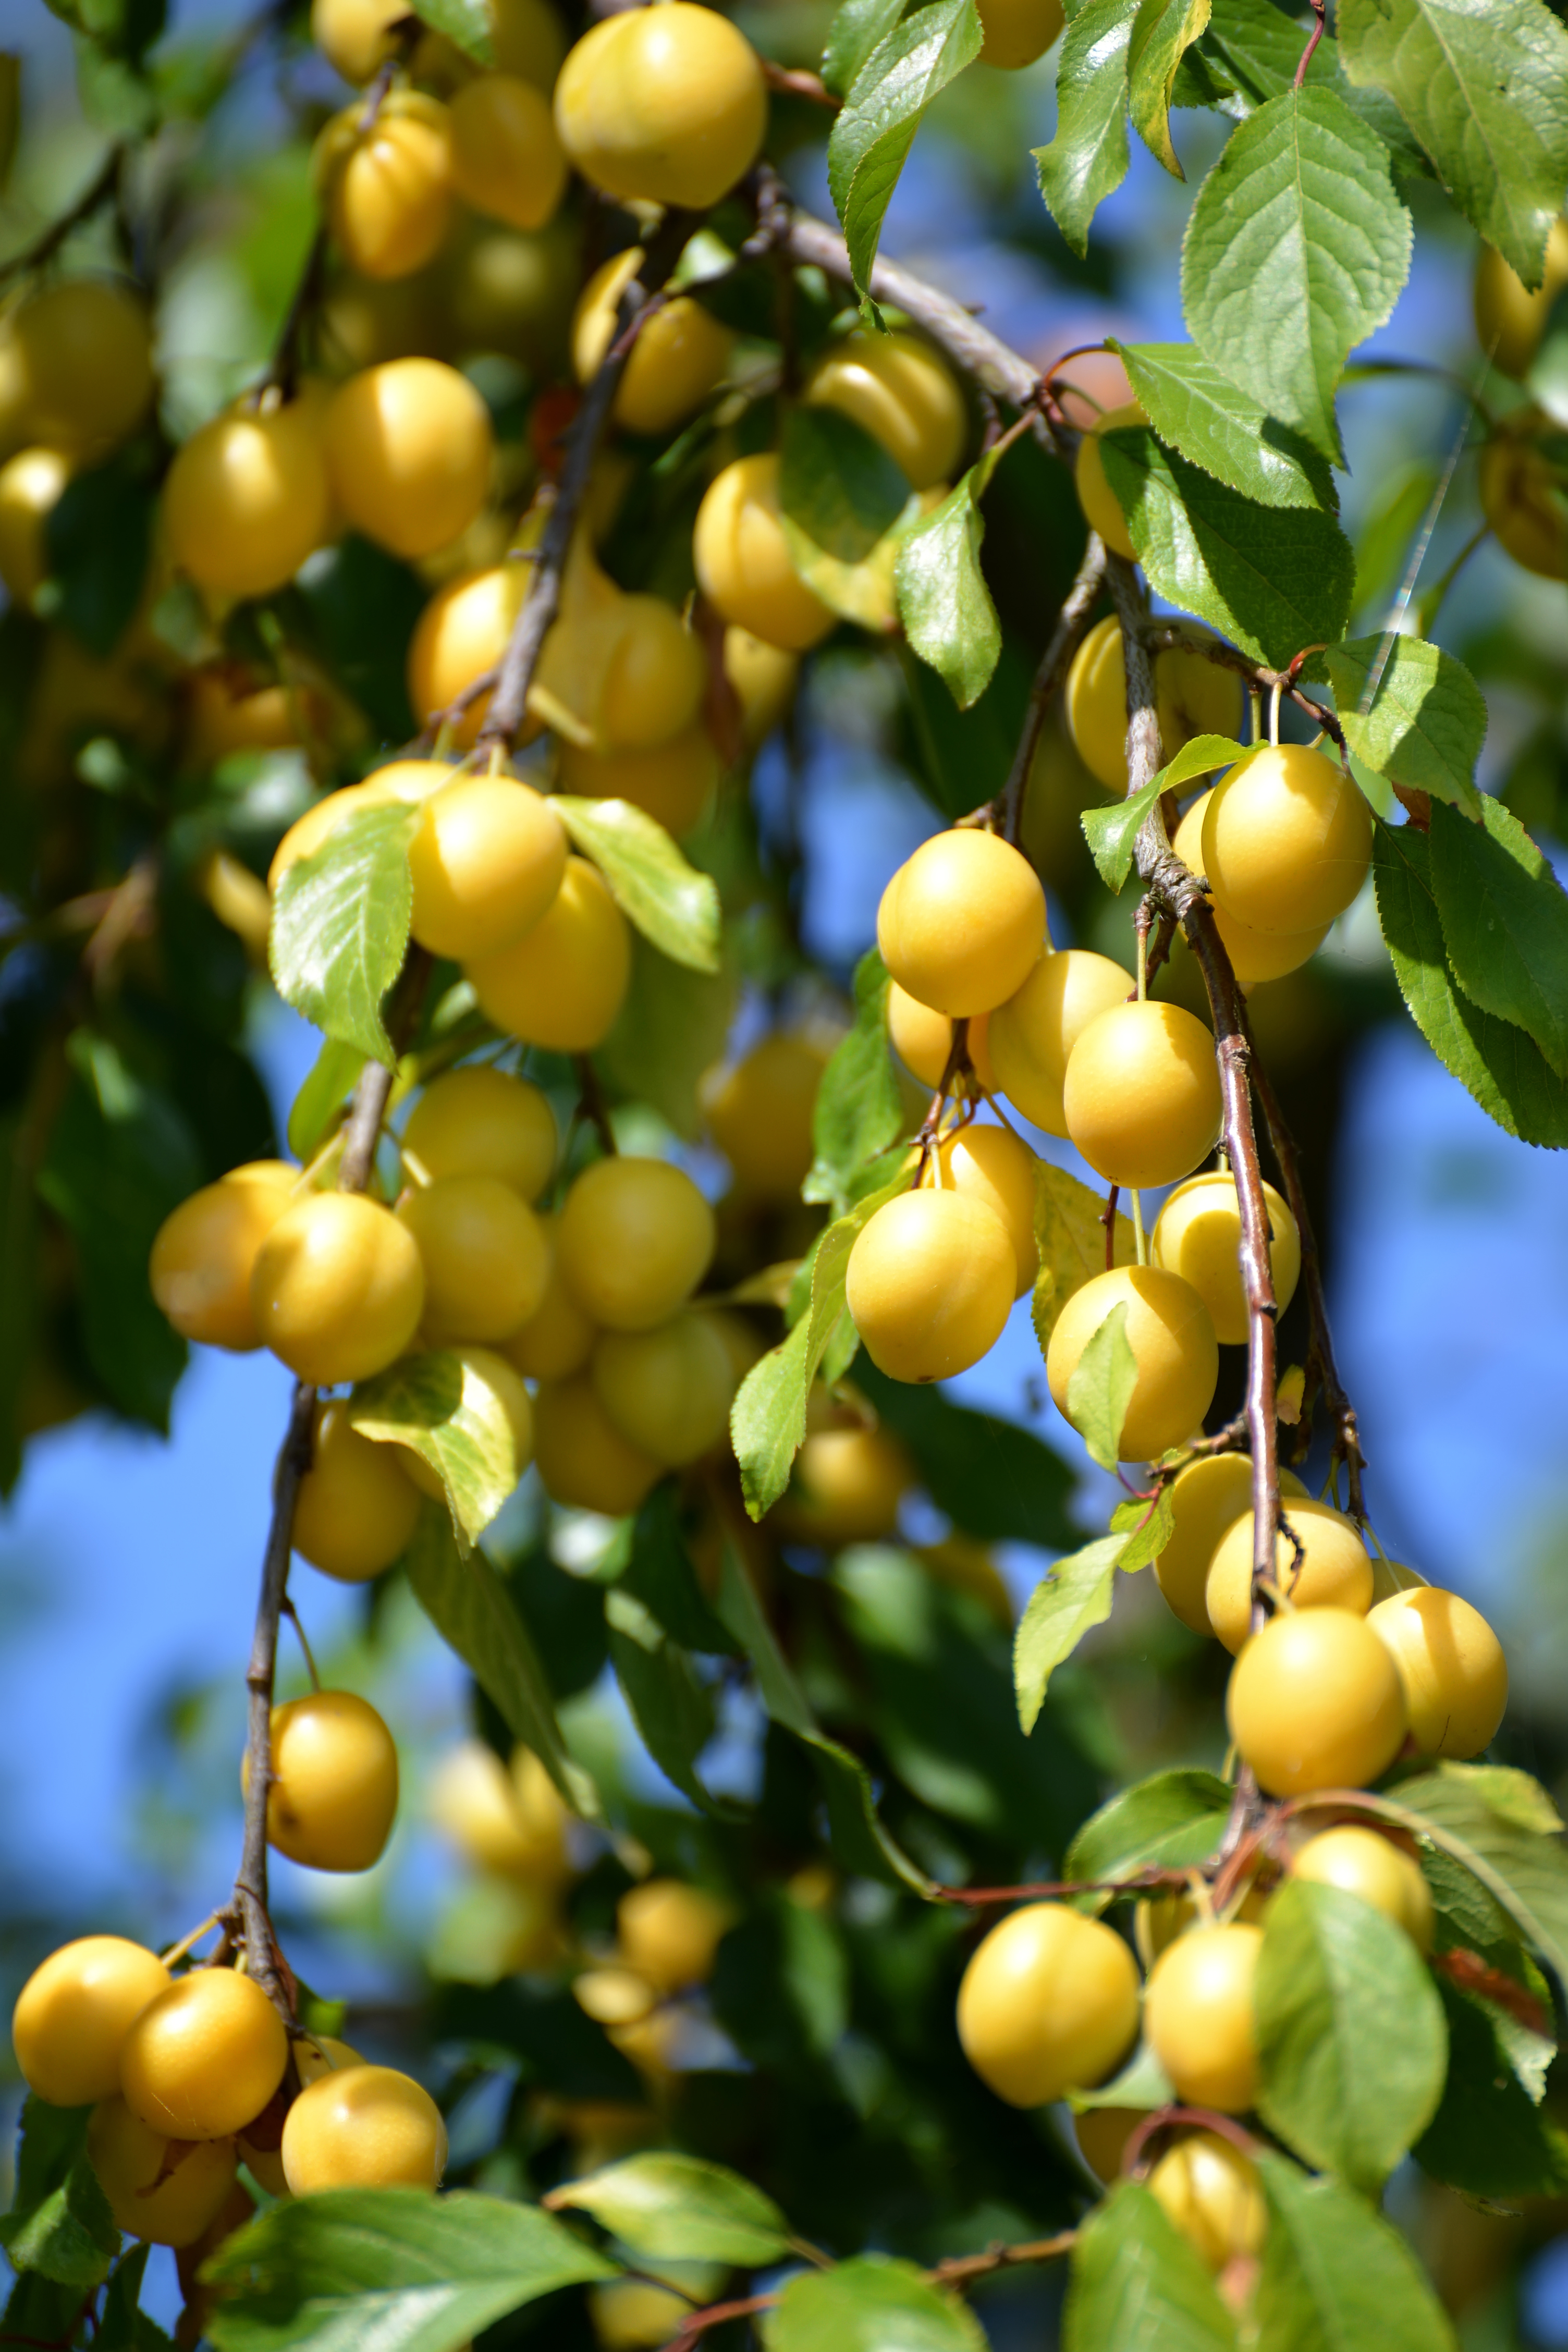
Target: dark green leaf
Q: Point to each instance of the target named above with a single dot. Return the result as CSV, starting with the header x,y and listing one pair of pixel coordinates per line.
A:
x,y
560,2049
671,904
442,1407
1486,93
876,128
859,1110
854,31
1337,2086
870,2304
1271,579
120,1160
1172,1821
1102,1386
681,2208
993,1479
466,23
1063,1607
1138,2285
1087,160
334,1073
471,1608
1162,33
781,1986
1488,2137
670,1029
945,606
410,2273
838,486
1426,723
1505,922
98,537
123,2326
1295,252
1214,424
659,1572
360,606
1525,1870
1504,1069
340,926
1335,2273
670,1705
60,2224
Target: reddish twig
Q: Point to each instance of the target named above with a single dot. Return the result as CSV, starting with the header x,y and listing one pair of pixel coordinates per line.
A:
x,y
715,2315
957,2270
1318,25
1176,2118
1141,1882
790,82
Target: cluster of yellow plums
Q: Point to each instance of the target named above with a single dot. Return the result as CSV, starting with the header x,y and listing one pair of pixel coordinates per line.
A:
x,y
190,2074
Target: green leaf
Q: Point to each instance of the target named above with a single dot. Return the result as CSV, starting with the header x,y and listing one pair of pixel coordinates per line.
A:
x,y
1336,2084
1488,2137
854,31
1505,923
123,2326
1505,1070
993,1479
333,1076
1513,1795
1102,1386
1070,1231
838,486
681,2208
1526,1872
1485,91
466,23
340,926
670,1707
1295,252
660,1573
945,606
671,904
1335,2273
1138,2285
1172,1821
743,1613
471,1609
1426,723
670,1029
1146,1528
767,1421
870,2304
1142,2082
781,1986
1162,33
60,2224
440,1405
876,127
1063,1607
1087,159
1112,831
1271,578
1251,53
98,537
409,2273
120,1157
859,1108
1215,424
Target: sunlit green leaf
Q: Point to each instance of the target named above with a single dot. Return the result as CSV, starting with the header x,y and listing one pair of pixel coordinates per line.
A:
x,y
1505,922
859,1108
870,2304
442,1406
674,2207
671,904
340,926
1335,2272
1425,726
1162,33
1087,160
876,127
1074,1597
1138,2283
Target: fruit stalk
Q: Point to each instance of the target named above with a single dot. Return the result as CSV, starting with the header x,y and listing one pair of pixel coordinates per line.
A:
x,y
1054,663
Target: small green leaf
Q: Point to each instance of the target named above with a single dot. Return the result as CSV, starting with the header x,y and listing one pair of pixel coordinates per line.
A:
x,y
1295,252
859,1109
838,486
1102,1386
1488,2137
1271,578
1111,831
767,1421
1334,2273
1172,1821
333,1076
1505,1070
1485,91
1336,2084
466,23
681,2208
392,2267
877,124
1138,2285
1146,1529
441,1406
60,2224
340,926
1162,33
870,2304
1063,1607
1087,160
669,1705
1069,1227
1214,424
671,904
944,604
854,31
1505,922
472,1611
1376,790
1142,2082
1426,725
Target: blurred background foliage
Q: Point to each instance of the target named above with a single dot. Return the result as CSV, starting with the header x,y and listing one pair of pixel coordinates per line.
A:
x,y
821,2057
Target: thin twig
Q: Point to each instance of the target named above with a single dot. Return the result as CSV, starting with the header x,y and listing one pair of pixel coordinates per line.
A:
x,y
1140,1882
959,2269
591,1102
1065,639
101,188
1320,13
790,82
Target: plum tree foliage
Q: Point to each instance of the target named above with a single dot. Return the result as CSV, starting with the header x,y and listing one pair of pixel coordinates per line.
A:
x,y
418,669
